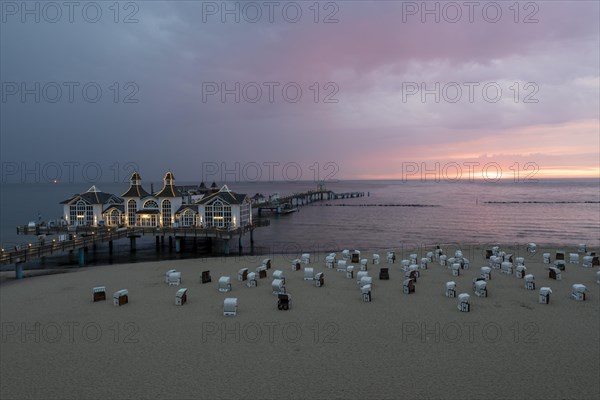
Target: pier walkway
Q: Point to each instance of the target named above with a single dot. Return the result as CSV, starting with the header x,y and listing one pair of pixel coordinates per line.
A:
x,y
81,237
295,200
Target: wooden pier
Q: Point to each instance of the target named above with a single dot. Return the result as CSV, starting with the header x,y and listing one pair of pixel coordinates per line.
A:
x,y
82,237
293,201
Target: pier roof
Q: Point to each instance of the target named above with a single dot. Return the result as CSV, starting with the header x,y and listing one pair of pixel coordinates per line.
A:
x,y
169,189
93,196
135,187
224,194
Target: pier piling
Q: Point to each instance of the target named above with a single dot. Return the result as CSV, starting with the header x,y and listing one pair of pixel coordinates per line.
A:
x,y
19,270
82,257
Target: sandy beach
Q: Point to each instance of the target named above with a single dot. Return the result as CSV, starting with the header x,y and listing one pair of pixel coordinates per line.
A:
x,y
57,343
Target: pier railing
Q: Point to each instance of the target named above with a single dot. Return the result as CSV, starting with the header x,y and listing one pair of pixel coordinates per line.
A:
x,y
84,236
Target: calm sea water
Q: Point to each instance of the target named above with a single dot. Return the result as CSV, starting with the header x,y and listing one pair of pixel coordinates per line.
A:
x,y
396,213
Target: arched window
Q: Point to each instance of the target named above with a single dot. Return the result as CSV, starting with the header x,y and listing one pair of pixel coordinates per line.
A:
x,y
113,218
81,213
218,214
151,204
166,213
131,209
187,218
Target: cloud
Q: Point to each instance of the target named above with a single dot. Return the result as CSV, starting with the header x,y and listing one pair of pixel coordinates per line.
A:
x,y
364,61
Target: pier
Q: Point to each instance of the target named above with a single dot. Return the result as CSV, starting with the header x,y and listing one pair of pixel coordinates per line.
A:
x,y
291,202
82,237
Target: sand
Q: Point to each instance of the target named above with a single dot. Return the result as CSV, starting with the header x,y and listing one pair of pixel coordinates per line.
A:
x,y
328,345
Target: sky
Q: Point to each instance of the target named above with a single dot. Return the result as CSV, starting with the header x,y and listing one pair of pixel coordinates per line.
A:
x,y
244,91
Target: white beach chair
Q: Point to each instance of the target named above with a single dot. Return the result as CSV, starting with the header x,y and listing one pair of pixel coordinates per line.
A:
x,y
261,271
480,288
181,297
345,254
438,254
308,274
391,257
404,264
429,256
364,264
267,263
506,267
408,286
496,250
485,273
375,259
578,292
587,261
350,272
305,258
443,258
414,268
319,279
360,275
329,261
224,284
341,266
366,280
495,262
465,263
458,254
169,272
230,307
545,295
413,258
582,248
99,293
547,258
520,271
252,280
455,269
554,273
277,274
174,278
424,262
452,260
278,286
296,264
451,289
366,293
121,297
573,258
242,274
463,302
531,248
560,264
529,282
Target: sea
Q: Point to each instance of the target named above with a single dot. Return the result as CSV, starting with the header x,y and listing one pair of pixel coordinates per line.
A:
x,y
392,215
